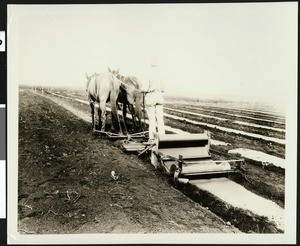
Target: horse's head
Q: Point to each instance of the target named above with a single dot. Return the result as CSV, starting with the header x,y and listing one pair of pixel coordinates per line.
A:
x,y
87,77
116,73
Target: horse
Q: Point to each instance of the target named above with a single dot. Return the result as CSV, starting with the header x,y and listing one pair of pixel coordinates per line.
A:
x,y
102,88
134,98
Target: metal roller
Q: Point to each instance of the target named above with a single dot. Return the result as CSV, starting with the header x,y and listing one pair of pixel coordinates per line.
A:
x,y
204,167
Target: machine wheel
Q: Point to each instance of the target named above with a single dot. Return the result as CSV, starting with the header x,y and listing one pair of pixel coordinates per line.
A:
x,y
176,176
173,169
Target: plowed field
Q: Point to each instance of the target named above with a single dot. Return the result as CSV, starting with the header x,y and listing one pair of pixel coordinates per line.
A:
x,y
65,183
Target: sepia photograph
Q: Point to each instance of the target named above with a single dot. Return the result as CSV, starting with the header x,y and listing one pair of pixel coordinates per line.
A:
x,y
152,123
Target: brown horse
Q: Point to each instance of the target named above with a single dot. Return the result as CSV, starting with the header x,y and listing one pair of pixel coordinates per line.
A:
x,y
134,98
102,88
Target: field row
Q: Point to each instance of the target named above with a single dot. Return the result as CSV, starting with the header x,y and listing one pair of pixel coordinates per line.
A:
x,y
230,125
235,114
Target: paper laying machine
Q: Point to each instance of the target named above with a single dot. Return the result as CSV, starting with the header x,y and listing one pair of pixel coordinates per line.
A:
x,y
187,156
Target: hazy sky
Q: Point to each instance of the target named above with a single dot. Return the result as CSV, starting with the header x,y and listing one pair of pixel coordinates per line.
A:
x,y
242,49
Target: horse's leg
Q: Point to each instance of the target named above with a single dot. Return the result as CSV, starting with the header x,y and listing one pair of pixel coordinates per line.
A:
x,y
138,113
99,117
93,112
139,117
132,111
113,121
103,114
124,115
139,105
114,111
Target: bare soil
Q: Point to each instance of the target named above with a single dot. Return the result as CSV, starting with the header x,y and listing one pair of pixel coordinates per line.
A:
x,y
65,183
69,189
266,181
